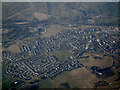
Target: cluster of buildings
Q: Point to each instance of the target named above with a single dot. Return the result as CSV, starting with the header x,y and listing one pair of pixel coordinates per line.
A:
x,y
41,62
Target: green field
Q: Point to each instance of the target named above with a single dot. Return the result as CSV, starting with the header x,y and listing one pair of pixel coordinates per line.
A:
x,y
62,55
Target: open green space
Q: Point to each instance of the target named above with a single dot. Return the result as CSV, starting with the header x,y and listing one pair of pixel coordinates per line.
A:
x,y
26,54
62,55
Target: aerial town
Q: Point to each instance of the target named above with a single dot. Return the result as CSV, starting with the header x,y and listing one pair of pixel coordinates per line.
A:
x,y
33,57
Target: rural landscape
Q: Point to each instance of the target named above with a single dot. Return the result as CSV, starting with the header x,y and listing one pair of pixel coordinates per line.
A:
x,y
60,45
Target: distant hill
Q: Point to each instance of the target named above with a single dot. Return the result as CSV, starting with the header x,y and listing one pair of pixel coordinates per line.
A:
x,y
82,13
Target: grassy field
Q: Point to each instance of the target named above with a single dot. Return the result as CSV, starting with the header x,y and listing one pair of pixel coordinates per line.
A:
x,y
53,29
5,38
62,55
77,78
105,61
14,48
26,54
5,81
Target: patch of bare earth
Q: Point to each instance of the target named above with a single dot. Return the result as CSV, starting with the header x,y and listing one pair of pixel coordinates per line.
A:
x,y
14,48
41,16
